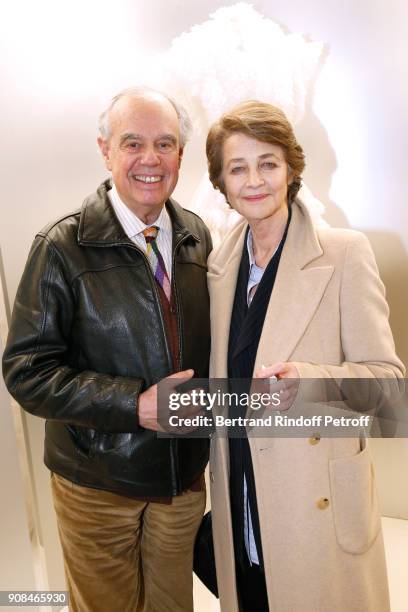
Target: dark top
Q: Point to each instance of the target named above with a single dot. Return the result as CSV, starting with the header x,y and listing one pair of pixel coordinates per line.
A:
x,y
245,332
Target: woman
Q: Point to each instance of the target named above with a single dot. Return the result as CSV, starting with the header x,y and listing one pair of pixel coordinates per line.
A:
x,y
295,521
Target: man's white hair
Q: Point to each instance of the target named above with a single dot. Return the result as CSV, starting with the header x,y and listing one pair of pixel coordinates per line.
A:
x,y
145,92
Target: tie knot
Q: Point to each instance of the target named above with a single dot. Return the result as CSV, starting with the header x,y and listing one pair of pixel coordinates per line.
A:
x,y
150,233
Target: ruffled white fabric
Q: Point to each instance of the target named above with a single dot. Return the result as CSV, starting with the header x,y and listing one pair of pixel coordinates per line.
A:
x,y
237,54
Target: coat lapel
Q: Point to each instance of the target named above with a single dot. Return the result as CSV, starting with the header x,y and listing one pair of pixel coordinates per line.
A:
x,y
222,278
297,292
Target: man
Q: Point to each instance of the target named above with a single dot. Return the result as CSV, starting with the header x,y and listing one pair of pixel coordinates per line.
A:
x,y
113,299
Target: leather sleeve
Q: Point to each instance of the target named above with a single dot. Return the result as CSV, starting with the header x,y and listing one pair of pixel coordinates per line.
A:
x,y
36,358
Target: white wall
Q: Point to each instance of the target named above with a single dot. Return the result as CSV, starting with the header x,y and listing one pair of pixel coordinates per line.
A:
x,y
62,61
17,553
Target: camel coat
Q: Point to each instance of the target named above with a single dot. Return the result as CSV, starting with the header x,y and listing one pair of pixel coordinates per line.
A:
x,y
328,314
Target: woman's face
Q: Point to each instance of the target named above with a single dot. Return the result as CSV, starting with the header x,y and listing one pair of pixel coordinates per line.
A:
x,y
255,176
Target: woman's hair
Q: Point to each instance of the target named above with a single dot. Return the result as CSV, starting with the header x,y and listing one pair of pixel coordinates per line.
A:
x,y
263,122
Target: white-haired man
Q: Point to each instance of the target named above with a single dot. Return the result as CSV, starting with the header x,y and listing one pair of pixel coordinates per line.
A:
x,y
114,299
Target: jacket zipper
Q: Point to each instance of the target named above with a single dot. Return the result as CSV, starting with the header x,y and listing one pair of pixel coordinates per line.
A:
x,y
173,441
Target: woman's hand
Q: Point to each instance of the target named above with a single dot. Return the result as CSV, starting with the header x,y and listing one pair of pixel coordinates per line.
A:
x,y
280,370
287,389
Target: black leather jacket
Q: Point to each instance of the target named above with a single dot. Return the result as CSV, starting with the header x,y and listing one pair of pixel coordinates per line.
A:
x,y
87,336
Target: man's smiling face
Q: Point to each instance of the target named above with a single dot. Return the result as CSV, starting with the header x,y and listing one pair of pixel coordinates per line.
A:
x,y
143,152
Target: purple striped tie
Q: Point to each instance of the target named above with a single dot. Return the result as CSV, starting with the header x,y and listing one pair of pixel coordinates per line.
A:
x,y
156,259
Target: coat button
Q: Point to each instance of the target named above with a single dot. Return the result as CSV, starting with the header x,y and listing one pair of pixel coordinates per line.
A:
x,y
314,439
322,503
211,477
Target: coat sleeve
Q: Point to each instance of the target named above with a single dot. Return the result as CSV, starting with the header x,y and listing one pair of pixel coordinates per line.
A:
x,y
36,363
366,337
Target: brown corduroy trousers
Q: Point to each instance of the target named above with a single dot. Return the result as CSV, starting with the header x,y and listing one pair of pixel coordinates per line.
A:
x,y
126,555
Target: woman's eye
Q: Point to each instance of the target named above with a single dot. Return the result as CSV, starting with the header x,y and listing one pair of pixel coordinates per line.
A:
x,y
133,145
268,165
237,169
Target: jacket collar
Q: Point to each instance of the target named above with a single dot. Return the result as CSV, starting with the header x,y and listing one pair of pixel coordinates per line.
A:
x,y
99,226
302,236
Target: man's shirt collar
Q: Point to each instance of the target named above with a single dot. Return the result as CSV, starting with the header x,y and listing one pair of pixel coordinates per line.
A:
x,y
130,222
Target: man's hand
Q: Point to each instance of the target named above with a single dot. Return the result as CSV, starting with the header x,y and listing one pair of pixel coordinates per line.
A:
x,y
147,404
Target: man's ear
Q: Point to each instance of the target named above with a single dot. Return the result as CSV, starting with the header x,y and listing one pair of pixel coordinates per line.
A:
x,y
104,147
181,151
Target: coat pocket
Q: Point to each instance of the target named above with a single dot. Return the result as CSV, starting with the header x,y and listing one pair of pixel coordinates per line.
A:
x,y
355,504
107,443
